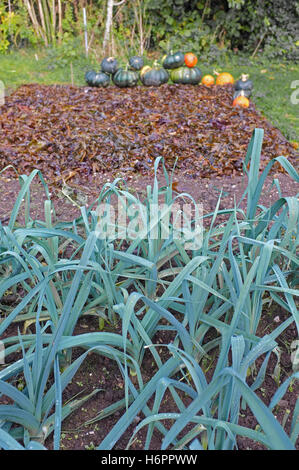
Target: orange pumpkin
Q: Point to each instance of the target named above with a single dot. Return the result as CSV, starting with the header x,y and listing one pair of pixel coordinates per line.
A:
x,y
190,59
224,78
208,80
241,101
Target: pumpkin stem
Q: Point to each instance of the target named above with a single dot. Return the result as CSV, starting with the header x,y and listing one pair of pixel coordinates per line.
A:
x,y
244,77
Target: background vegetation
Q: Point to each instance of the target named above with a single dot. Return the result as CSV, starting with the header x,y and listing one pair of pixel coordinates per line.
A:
x,y
204,26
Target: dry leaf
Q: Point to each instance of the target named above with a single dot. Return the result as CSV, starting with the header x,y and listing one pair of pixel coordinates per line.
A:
x,y
74,132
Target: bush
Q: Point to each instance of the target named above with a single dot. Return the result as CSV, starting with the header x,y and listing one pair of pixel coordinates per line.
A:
x,y
270,24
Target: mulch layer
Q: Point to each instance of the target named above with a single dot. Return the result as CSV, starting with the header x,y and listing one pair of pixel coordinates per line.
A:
x,y
70,132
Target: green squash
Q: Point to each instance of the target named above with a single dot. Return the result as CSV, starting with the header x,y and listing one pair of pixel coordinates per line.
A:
x,y
125,78
173,61
109,65
100,79
186,75
244,85
89,76
136,62
153,76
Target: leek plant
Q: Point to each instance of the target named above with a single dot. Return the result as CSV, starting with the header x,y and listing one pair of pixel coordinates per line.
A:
x,y
226,291
210,299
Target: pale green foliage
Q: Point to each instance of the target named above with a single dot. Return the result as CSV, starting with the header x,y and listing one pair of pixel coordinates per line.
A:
x,y
221,286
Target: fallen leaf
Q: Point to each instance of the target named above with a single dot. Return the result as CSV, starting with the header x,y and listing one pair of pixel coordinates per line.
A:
x,y
67,133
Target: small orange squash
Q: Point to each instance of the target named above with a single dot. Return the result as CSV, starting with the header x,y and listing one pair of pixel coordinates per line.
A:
x,y
224,78
241,101
190,59
208,80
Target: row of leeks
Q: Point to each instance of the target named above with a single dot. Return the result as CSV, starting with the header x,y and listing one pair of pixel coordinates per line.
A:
x,y
210,300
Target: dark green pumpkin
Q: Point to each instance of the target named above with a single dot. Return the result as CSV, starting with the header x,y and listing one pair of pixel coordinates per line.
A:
x,y
136,62
154,76
244,85
100,79
89,77
173,61
125,78
186,75
109,65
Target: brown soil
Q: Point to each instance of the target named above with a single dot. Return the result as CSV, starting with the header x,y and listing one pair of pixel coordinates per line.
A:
x,y
98,372
205,191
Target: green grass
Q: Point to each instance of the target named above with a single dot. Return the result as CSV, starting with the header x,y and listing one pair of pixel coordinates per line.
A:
x,y
272,81
28,66
272,91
